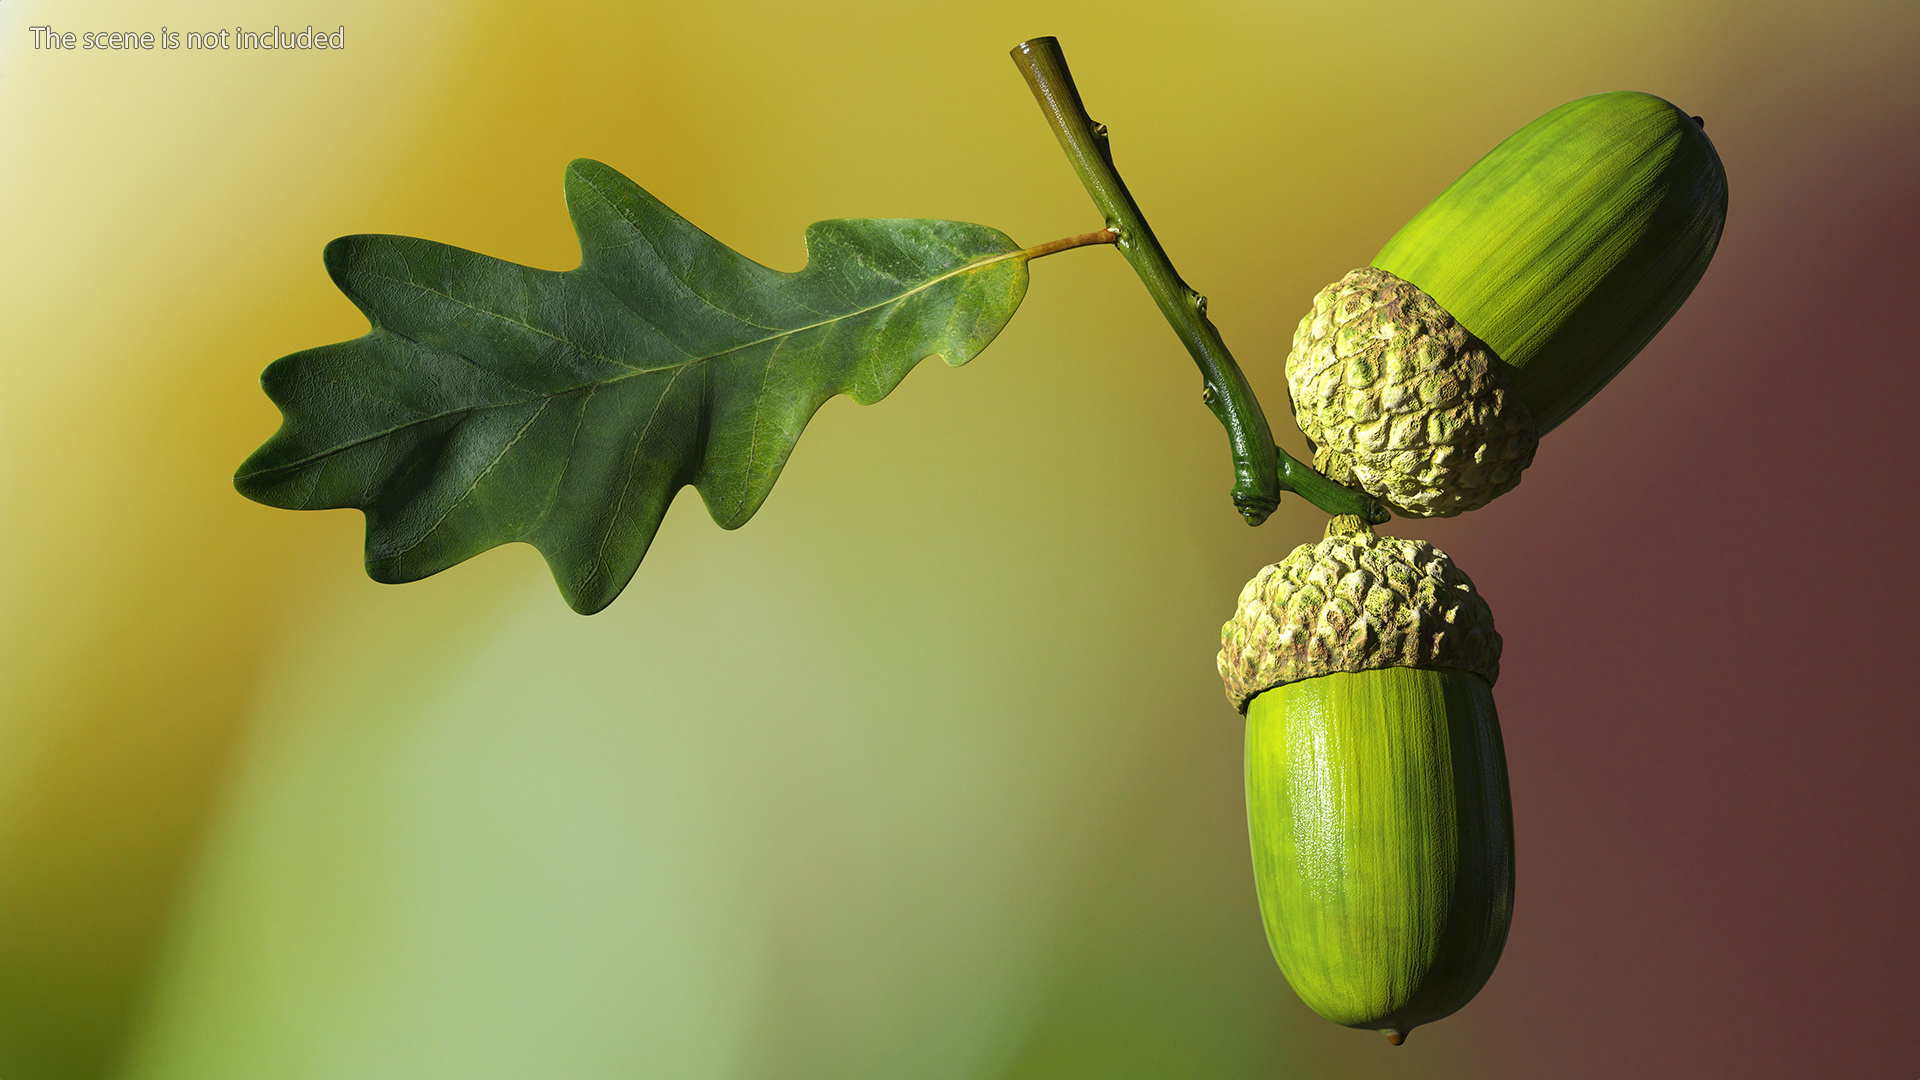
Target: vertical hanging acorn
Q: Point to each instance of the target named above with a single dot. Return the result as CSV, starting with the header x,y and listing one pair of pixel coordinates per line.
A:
x,y
1427,378
1376,786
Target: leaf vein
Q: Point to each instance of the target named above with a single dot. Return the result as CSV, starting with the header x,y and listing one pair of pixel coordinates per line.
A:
x,y
632,371
477,480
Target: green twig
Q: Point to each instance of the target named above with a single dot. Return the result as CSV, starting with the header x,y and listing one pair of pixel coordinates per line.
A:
x,y
1257,463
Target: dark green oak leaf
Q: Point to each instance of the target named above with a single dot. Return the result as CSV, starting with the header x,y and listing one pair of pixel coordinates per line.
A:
x,y
493,402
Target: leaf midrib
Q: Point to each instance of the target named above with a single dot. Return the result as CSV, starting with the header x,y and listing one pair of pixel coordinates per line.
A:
x,y
632,371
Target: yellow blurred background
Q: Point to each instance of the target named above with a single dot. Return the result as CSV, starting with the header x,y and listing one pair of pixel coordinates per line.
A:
x,y
925,772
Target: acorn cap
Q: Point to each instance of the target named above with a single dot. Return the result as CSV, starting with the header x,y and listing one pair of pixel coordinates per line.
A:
x,y
1355,602
1402,402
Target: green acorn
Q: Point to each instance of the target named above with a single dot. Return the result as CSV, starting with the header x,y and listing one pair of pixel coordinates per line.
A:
x,y
1501,308
1377,797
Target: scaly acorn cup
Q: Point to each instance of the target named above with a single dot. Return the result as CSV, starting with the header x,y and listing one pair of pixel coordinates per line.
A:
x,y
1427,378
1377,797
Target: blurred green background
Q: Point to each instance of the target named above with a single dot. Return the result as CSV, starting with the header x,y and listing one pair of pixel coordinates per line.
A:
x,y
926,771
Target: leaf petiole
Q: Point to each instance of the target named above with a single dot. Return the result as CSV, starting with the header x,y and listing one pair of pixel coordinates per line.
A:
x,y
1068,243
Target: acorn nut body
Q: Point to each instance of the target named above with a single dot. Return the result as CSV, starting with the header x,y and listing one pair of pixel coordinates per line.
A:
x,y
1508,302
1377,800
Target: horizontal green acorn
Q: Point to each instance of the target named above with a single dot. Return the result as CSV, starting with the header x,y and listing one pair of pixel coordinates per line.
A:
x,y
1428,377
1377,800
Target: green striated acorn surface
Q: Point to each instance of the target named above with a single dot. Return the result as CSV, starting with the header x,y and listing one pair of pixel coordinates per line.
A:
x,y
1571,244
1377,800
1525,286
1382,838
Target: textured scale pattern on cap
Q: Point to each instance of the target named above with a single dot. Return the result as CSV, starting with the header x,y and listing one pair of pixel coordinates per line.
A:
x,y
1354,602
1401,401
